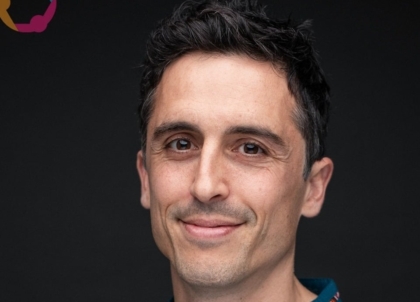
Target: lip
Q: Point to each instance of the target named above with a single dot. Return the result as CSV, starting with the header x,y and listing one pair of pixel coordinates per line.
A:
x,y
209,228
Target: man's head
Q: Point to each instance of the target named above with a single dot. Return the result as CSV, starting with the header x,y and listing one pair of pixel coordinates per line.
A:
x,y
224,145
242,27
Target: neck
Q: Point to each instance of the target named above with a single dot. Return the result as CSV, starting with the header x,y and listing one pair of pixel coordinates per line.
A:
x,y
276,285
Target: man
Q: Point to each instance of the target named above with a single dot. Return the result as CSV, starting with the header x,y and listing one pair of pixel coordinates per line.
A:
x,y
233,117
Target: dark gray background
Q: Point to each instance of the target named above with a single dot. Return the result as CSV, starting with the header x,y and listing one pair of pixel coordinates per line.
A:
x,y
71,225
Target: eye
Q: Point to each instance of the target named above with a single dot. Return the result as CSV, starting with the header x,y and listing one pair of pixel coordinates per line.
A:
x,y
251,149
180,144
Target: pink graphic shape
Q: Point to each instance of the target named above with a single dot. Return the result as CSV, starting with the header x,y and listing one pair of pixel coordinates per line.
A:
x,y
39,23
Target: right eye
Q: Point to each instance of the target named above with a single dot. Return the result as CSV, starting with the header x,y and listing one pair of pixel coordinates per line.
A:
x,y
180,144
251,149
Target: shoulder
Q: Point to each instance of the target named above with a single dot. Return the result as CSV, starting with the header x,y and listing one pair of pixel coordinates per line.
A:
x,y
325,288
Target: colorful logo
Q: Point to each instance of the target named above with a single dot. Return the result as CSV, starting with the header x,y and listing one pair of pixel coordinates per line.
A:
x,y
37,24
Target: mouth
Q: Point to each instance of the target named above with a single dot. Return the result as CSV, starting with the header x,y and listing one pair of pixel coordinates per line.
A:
x,y
209,228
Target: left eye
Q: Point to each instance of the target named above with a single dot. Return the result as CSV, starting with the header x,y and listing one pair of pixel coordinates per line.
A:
x,y
250,148
180,144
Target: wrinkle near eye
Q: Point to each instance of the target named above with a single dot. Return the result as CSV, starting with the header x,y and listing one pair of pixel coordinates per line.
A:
x,y
284,157
156,148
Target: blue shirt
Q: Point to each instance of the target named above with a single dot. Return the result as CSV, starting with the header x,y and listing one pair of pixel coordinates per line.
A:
x,y
325,289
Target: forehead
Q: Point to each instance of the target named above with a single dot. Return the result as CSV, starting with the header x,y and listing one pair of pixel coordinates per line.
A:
x,y
221,90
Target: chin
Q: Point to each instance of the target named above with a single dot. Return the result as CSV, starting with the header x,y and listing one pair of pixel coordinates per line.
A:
x,y
210,272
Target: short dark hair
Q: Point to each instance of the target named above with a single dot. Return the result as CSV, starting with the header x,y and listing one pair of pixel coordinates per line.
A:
x,y
242,27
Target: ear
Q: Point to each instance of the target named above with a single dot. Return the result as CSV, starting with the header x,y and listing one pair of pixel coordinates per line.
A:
x,y
144,180
317,182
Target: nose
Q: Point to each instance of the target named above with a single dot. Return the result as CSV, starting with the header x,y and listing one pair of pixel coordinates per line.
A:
x,y
211,178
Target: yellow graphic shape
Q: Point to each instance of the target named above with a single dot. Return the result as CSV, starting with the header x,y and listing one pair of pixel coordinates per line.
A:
x,y
4,15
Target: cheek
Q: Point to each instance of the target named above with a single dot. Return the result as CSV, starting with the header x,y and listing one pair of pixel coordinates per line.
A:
x,y
275,196
169,185
271,195
264,186
170,182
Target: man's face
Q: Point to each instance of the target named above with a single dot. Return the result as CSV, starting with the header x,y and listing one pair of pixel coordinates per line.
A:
x,y
224,165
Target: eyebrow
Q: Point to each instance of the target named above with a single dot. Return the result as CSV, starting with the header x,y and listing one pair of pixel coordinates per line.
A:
x,y
258,131
172,127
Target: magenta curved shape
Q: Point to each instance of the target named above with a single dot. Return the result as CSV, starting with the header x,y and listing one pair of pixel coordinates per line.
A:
x,y
39,23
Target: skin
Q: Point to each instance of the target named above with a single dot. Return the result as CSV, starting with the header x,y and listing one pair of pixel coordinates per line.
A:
x,y
223,180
